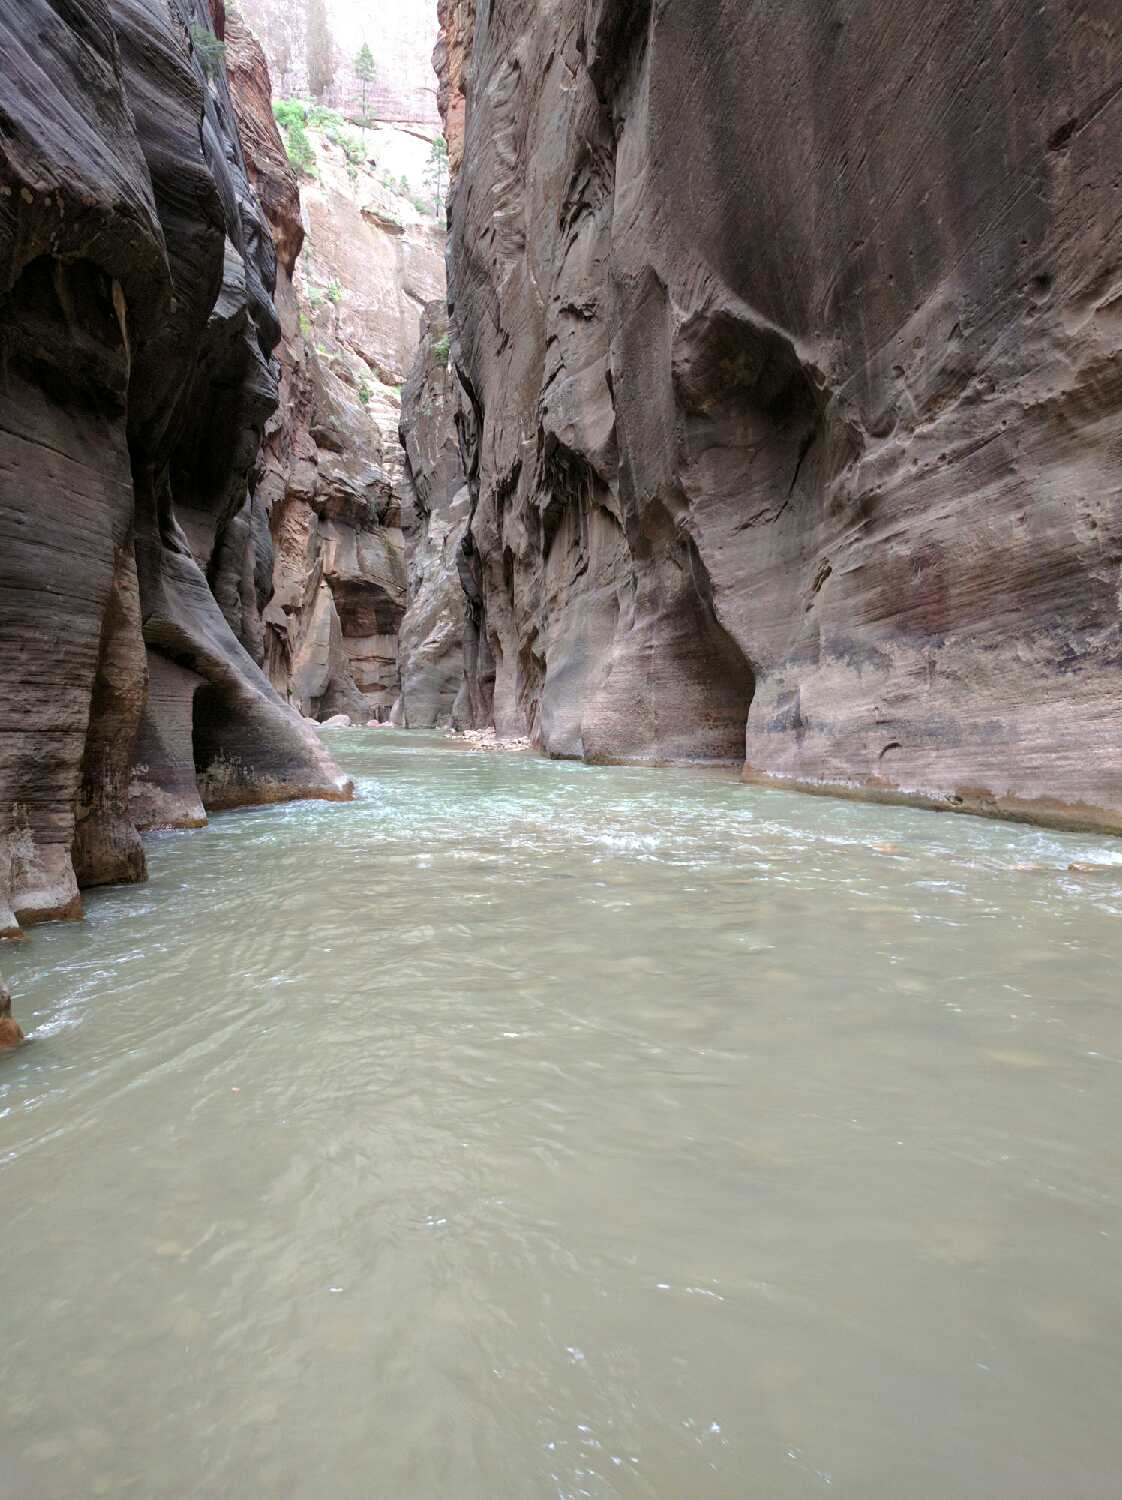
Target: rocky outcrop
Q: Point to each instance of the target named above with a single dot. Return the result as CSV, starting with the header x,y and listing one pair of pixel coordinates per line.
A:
x,y
794,390
435,504
136,380
380,258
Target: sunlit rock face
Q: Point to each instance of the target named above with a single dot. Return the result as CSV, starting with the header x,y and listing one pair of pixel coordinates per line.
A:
x,y
136,380
791,342
311,46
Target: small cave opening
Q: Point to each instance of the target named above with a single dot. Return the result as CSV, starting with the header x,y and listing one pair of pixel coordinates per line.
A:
x,y
216,736
725,678
241,748
681,686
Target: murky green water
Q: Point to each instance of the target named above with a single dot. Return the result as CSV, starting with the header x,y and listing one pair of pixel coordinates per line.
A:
x,y
529,1130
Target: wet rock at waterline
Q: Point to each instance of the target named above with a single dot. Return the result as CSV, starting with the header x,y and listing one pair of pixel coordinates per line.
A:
x,y
10,1033
793,431
137,327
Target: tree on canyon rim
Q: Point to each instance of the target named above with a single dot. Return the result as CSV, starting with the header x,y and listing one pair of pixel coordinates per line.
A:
x,y
318,50
436,173
365,71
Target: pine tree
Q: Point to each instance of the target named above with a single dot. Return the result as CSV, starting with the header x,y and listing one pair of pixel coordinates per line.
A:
x,y
366,72
436,173
210,52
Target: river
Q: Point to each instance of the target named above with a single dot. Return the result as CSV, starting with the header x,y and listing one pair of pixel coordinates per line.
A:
x,y
529,1130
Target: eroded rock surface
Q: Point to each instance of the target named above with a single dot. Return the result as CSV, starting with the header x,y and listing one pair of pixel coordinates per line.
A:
x,y
347,304
450,60
795,391
137,326
435,504
338,585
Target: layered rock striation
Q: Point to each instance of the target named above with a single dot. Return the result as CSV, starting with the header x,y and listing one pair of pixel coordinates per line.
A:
x,y
790,341
137,378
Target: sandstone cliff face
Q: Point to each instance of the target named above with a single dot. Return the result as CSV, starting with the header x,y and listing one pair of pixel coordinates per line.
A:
x,y
791,336
435,504
270,172
136,379
339,575
451,57
311,47
364,259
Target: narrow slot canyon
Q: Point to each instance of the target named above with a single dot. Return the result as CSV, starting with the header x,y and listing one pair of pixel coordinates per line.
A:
x,y
518,524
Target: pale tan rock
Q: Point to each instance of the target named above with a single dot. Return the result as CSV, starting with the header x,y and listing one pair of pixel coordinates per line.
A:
x,y
400,36
332,460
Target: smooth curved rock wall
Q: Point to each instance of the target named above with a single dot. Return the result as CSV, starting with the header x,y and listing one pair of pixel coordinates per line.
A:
x,y
791,340
137,375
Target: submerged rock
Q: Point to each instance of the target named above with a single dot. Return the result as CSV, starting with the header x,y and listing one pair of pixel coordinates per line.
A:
x,y
10,1033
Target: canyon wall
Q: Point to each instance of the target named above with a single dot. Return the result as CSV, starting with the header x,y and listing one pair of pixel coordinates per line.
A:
x,y
311,47
136,383
358,259
435,508
790,338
